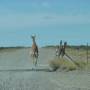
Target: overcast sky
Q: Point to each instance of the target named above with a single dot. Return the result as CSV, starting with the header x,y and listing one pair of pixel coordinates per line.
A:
x,y
50,20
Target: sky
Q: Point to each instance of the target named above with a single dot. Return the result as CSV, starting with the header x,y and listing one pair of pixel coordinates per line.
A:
x,y
50,20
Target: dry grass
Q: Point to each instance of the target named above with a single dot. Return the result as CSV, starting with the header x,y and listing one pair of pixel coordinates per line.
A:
x,y
79,57
63,64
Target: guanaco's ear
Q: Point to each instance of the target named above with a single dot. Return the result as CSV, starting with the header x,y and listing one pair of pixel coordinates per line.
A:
x,y
65,44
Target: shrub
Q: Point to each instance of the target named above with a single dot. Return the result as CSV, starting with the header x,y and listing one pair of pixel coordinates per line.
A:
x,y
63,64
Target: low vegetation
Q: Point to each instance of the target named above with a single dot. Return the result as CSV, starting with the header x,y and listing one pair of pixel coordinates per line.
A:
x,y
62,64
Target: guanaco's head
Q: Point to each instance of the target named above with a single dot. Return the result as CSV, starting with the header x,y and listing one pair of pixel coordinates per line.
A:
x,y
33,36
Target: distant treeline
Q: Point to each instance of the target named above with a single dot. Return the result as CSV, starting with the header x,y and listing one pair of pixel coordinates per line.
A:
x,y
17,47
50,46
69,46
79,47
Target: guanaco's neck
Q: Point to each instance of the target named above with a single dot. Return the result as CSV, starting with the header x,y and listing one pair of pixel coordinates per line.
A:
x,y
34,42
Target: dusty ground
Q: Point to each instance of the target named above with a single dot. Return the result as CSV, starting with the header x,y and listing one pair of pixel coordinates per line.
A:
x,y
16,73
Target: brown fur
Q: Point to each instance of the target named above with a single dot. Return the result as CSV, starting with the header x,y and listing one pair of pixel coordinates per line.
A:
x,y
34,51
